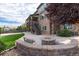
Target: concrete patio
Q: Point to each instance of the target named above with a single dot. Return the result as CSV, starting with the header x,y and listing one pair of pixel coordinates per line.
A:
x,y
57,38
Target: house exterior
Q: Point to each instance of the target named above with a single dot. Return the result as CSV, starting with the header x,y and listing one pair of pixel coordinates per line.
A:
x,y
44,22
42,19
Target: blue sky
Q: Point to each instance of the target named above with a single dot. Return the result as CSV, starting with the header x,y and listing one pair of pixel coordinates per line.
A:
x,y
15,14
5,20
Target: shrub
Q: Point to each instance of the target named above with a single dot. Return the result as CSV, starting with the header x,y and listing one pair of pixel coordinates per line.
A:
x,y
64,33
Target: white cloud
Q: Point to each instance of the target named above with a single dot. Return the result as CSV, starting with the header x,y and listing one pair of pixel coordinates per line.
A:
x,y
17,11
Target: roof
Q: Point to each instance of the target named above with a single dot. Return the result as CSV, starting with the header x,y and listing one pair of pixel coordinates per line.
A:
x,y
38,7
35,11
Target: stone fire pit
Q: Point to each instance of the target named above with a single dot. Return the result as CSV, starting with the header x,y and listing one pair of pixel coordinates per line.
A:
x,y
47,47
48,41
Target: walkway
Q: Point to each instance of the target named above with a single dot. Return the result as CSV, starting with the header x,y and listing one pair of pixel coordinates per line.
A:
x,y
8,34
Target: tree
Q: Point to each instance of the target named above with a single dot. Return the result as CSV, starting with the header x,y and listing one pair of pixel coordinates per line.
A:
x,y
0,30
19,28
22,28
61,13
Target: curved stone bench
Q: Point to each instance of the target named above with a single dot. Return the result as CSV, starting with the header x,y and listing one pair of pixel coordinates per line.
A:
x,y
46,50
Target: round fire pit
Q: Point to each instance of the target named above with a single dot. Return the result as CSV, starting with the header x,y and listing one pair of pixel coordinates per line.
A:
x,y
48,47
49,41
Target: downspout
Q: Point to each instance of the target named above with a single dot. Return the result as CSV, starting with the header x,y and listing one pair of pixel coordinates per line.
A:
x,y
50,26
31,24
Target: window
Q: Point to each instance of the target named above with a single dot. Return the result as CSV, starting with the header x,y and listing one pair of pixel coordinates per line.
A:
x,y
68,26
42,17
44,27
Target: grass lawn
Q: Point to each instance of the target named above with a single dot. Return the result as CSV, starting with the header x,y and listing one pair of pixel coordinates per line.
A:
x,y
9,40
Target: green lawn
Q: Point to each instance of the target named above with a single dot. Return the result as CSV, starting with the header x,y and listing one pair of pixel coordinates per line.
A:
x,y
9,40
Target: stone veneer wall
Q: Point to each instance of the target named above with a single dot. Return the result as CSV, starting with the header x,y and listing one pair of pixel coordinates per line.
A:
x,y
41,52
31,51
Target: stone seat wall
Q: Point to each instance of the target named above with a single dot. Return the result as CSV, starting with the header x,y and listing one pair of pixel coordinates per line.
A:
x,y
46,50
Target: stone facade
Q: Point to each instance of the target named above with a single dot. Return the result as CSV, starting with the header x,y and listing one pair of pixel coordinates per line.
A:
x,y
41,52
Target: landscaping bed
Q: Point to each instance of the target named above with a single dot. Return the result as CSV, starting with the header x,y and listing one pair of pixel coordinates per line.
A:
x,y
8,41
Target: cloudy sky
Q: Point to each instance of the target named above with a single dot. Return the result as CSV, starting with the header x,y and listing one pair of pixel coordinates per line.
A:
x,y
14,14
